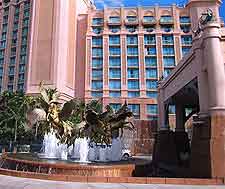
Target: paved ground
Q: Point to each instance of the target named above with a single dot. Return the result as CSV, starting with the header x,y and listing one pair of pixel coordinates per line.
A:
x,y
7,182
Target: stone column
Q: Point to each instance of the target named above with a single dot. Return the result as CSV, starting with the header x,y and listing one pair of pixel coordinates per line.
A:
x,y
180,118
164,146
181,137
163,113
214,60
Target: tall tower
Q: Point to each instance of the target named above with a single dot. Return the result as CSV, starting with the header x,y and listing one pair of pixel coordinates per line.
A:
x,y
15,24
53,45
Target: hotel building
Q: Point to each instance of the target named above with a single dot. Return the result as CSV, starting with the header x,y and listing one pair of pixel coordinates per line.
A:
x,y
115,54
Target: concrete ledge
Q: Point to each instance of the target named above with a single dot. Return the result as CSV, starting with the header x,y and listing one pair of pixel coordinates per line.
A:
x,y
133,180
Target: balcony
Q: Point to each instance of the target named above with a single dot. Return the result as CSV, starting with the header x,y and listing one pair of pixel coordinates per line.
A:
x,y
97,22
131,21
186,43
185,20
166,20
168,42
114,21
11,73
150,42
149,21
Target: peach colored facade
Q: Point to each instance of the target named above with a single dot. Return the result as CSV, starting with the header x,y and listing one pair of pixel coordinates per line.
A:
x,y
115,54
155,37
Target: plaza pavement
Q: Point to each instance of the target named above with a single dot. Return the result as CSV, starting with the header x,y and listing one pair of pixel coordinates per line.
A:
x,y
7,182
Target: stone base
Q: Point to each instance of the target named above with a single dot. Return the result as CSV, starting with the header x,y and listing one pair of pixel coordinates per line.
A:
x,y
182,148
207,149
165,148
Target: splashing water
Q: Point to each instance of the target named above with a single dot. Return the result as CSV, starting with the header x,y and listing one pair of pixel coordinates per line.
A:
x,y
52,149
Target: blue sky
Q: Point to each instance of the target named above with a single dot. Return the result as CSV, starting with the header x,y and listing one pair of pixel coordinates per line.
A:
x,y
116,3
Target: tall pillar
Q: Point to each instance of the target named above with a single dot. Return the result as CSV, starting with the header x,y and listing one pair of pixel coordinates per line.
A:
x,y
163,113
164,146
181,137
180,118
214,60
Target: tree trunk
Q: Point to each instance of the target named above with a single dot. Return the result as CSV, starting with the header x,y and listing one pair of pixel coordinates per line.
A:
x,y
15,133
36,130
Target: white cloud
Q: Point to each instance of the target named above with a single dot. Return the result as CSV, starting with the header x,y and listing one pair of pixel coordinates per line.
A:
x,y
109,3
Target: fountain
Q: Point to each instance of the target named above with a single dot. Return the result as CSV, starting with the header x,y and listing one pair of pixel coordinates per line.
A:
x,y
81,150
84,149
91,147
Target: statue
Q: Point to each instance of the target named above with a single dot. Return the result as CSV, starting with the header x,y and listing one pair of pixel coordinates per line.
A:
x,y
98,126
101,127
206,17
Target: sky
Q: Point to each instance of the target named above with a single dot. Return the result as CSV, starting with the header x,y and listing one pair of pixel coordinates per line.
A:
x,y
116,3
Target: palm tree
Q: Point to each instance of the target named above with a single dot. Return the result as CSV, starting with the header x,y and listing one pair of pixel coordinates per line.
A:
x,y
49,114
13,110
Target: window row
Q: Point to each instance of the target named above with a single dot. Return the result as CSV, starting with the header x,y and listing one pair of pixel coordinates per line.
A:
x,y
146,19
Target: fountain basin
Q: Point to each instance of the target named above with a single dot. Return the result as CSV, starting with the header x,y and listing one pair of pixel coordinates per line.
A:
x,y
32,163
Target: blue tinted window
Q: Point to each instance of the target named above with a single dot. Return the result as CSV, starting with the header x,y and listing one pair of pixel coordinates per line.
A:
x,y
151,84
132,50
152,109
166,18
185,50
168,50
114,61
114,84
96,93
97,52
132,39
151,94
151,73
132,73
97,41
167,39
150,51
150,61
114,73
114,93
133,94
97,74
97,63
132,61
149,19
97,21
185,19
114,50
149,39
133,84
168,61
114,29
97,85
114,39
186,40
114,19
